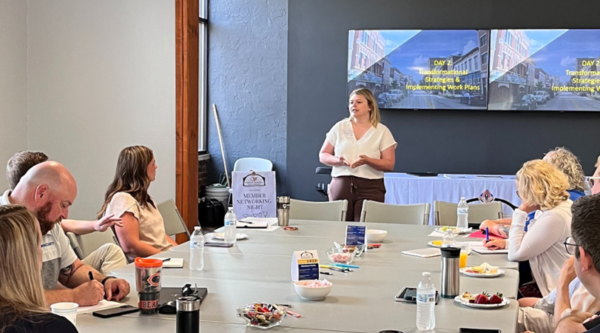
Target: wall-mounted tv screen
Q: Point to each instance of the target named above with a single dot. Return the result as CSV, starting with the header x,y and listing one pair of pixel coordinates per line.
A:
x,y
555,70
421,69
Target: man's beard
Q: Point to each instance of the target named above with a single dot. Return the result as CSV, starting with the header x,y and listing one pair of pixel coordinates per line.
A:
x,y
42,216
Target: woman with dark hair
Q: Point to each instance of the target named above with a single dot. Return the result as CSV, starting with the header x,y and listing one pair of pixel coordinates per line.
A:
x,y
22,304
143,231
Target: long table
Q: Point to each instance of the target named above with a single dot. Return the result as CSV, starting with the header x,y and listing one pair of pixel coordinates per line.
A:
x,y
258,270
404,189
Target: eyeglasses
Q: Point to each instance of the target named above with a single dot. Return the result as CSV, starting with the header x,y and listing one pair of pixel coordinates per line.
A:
x,y
570,245
591,180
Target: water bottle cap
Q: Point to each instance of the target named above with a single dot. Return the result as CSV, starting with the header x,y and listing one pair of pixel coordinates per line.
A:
x,y
197,227
426,274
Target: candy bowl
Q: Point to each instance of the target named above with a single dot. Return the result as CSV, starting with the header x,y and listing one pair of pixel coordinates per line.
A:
x,y
261,315
313,290
342,255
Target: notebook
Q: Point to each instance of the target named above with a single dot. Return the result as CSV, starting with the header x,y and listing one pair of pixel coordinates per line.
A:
x,y
173,263
256,222
424,253
479,248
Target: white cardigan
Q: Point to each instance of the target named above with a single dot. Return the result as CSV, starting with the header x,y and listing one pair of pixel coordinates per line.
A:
x,y
543,244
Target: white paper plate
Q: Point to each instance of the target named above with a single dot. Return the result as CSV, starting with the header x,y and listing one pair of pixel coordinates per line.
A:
x,y
465,302
465,269
455,230
221,236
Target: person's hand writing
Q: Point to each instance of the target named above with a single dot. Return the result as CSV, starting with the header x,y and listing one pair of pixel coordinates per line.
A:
x,y
116,289
89,293
106,222
495,244
362,160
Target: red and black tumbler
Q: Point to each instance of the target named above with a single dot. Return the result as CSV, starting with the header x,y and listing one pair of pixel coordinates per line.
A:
x,y
147,282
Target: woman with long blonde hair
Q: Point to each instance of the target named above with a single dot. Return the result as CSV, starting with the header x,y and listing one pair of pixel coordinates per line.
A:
x,y
359,149
22,304
543,188
143,231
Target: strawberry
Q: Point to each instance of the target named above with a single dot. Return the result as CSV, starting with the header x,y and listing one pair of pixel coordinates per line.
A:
x,y
496,299
481,299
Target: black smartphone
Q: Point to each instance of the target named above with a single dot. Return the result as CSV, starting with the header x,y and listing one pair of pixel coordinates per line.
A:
x,y
409,295
125,309
478,330
218,244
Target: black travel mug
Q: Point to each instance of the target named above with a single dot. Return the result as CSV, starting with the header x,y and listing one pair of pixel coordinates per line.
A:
x,y
188,314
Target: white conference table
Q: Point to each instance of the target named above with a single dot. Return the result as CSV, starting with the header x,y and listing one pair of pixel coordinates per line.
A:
x,y
360,301
404,189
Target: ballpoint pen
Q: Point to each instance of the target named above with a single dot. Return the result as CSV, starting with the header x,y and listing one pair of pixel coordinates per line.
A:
x,y
487,234
345,266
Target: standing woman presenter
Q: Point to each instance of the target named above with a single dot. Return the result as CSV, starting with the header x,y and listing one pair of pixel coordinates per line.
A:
x,y
360,149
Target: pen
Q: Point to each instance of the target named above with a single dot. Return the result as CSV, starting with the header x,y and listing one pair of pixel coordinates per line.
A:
x,y
167,259
345,266
91,275
324,266
326,273
339,269
487,234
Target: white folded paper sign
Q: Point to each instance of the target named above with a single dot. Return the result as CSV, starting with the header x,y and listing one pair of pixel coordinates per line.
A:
x,y
173,263
424,253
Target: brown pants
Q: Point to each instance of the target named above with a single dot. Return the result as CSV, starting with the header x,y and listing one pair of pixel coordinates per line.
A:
x,y
356,190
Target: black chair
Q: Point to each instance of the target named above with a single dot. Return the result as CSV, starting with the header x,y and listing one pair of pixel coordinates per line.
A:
x,y
322,187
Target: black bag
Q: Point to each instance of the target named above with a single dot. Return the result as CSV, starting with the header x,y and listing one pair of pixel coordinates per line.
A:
x,y
211,213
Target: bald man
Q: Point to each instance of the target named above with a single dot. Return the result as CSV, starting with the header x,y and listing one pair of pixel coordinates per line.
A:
x,y
48,189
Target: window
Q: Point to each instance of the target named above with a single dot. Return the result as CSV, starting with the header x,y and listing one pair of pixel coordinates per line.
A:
x,y
203,77
475,61
483,40
470,65
508,38
484,58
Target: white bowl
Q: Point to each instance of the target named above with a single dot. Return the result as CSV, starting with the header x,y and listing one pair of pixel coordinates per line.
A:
x,y
375,236
311,294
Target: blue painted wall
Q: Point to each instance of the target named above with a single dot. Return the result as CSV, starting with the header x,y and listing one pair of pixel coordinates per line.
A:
x,y
248,82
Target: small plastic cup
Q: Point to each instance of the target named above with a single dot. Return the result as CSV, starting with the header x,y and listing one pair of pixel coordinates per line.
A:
x,y
67,310
464,254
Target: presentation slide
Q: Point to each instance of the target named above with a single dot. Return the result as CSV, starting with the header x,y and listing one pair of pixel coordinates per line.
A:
x,y
545,70
421,69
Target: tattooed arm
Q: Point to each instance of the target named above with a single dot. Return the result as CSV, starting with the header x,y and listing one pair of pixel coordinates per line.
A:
x,y
76,276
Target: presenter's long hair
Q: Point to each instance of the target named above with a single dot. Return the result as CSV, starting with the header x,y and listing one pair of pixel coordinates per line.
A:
x,y
131,176
21,291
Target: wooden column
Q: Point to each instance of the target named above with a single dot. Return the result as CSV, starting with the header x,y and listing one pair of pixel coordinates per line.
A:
x,y
186,86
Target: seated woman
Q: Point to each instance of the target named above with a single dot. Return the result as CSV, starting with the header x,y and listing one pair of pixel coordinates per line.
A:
x,y
542,187
143,231
22,303
566,162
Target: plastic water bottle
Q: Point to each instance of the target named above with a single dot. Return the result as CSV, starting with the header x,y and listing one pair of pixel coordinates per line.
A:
x,y
463,214
426,303
197,250
230,226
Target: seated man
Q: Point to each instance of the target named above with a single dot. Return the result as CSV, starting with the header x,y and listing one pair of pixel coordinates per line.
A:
x,y
106,258
48,190
585,245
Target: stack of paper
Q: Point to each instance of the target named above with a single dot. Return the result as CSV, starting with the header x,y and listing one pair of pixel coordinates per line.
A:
x,y
103,305
424,253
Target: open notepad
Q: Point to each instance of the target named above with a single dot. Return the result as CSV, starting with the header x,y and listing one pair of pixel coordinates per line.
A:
x,y
479,248
256,222
424,253
173,263
103,305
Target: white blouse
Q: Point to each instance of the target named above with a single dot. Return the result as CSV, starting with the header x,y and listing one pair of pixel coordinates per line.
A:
x,y
543,243
372,143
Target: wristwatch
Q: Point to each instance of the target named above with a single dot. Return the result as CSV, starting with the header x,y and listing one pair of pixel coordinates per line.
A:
x,y
108,277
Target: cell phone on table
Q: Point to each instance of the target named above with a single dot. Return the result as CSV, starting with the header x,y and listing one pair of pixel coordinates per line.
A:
x,y
478,330
218,244
409,295
125,309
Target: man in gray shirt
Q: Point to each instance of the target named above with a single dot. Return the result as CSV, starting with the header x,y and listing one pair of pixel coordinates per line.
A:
x,y
48,189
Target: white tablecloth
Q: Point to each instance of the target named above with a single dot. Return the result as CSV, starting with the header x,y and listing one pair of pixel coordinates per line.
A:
x,y
405,189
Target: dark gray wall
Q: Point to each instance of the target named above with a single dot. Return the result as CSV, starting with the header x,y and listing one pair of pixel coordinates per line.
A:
x,y
248,82
429,140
